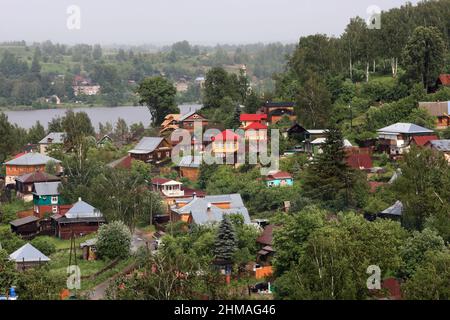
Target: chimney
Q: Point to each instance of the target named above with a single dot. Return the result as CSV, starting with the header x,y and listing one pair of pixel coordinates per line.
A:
x,y
194,195
79,199
209,206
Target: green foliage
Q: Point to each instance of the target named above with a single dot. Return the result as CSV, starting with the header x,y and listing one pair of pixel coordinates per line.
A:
x,y
114,240
329,180
8,272
10,242
158,94
415,248
430,281
424,55
44,245
40,284
225,245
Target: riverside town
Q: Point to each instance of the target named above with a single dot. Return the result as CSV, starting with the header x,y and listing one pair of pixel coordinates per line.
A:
x,y
216,159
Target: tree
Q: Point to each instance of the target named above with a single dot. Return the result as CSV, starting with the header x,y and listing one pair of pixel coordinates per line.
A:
x,y
424,188
10,241
430,281
44,245
97,52
77,126
158,94
36,133
415,248
8,272
114,240
35,65
40,284
329,179
424,55
55,125
314,102
226,242
219,88
121,130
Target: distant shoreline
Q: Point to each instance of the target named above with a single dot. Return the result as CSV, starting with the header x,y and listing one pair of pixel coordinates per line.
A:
x,y
62,106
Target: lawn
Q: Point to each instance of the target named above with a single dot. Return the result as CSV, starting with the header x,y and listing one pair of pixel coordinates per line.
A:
x,y
65,244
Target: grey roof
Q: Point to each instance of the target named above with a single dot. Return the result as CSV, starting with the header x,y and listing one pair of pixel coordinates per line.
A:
x,y
190,161
396,209
400,127
441,145
198,208
187,115
56,137
147,145
82,209
89,243
395,176
23,221
46,188
31,159
28,253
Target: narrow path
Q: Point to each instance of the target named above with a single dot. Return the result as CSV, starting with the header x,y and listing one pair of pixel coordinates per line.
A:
x,y
139,239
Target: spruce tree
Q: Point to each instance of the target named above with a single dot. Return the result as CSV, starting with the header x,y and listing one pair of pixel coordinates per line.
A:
x,y
226,241
328,178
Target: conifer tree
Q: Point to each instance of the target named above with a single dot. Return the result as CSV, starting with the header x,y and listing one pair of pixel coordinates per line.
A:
x,y
226,241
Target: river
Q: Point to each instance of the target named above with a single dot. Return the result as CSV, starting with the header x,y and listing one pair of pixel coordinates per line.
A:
x,y
26,119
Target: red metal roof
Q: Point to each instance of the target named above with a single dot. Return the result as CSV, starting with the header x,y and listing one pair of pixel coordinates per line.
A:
x,y
445,79
160,180
423,140
253,117
226,135
256,126
358,161
280,175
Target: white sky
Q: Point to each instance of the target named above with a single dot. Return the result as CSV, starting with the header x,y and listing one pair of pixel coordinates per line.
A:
x,y
167,21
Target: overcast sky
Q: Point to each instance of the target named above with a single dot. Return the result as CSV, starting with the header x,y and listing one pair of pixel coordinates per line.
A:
x,y
167,21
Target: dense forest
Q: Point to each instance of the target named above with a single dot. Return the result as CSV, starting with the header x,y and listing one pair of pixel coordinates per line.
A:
x,y
31,74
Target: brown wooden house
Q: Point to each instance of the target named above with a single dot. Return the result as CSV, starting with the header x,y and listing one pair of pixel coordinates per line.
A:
x,y
152,150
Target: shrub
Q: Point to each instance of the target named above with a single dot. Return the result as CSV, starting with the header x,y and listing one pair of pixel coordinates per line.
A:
x,y
114,240
44,245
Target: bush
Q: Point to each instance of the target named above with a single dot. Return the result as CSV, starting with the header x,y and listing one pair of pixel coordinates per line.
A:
x,y
114,240
10,241
44,245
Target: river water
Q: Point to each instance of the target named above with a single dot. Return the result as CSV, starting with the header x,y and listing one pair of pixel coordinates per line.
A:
x,y
26,119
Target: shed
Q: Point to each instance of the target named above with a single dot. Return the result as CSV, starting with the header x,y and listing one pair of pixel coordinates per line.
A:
x,y
28,257
25,226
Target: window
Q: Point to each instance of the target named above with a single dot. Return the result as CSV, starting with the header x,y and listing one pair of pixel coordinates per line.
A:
x,y
54,199
55,209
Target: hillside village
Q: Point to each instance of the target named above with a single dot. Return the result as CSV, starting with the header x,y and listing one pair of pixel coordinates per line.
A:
x,y
361,178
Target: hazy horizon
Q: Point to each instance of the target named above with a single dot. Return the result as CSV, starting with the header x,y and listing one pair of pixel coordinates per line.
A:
x,y
158,22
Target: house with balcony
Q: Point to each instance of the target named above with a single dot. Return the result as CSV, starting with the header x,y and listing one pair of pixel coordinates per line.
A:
x,y
225,143
152,150
28,163
172,190
396,139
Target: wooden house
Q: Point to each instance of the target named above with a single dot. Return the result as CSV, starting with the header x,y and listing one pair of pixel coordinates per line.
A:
x,y
25,226
189,168
279,179
440,146
208,210
188,120
53,138
28,257
152,150
225,143
25,183
28,163
396,139
46,199
80,220
170,124
440,110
